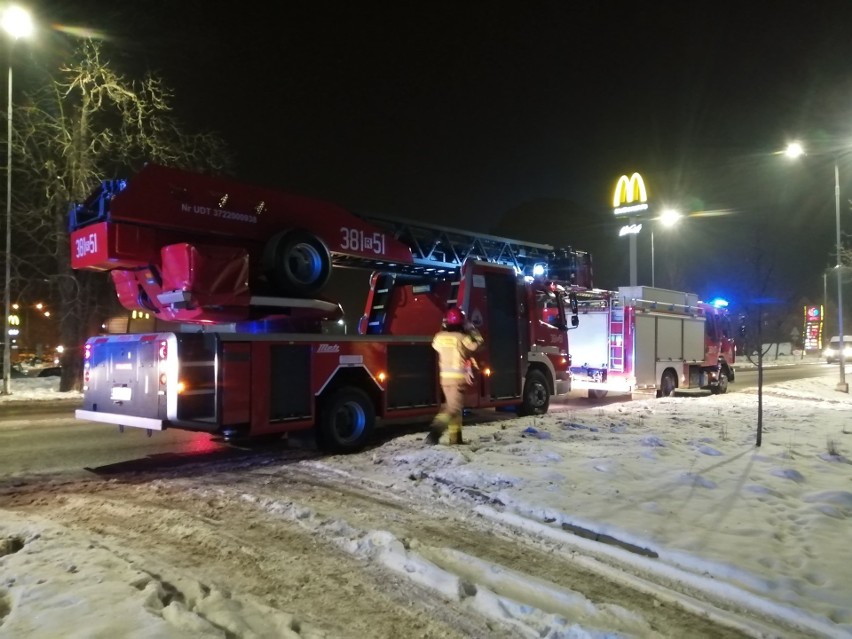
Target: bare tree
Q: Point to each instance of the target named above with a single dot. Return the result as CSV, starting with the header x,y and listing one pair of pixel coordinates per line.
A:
x,y
89,124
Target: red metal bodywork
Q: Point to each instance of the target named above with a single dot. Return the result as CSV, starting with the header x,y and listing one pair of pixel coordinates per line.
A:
x,y
719,336
189,247
162,206
418,307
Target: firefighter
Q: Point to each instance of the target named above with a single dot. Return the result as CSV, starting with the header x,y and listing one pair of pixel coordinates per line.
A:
x,y
456,343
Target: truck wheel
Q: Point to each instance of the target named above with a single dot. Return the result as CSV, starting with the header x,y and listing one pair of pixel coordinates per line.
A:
x,y
668,383
536,397
722,386
346,420
296,263
596,393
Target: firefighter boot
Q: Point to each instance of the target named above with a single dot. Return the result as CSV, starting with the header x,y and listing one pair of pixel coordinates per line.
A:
x,y
455,431
436,430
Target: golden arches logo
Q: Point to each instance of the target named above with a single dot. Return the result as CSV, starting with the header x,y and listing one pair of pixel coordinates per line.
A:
x,y
14,320
630,191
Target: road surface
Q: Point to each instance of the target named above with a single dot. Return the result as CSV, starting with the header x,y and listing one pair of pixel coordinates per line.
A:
x,y
192,505
47,439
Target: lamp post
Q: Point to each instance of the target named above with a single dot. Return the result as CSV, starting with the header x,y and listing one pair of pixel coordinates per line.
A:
x,y
17,23
794,150
668,218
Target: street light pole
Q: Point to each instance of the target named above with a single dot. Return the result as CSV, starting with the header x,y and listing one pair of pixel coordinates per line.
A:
x,y
17,23
7,289
841,385
668,218
794,150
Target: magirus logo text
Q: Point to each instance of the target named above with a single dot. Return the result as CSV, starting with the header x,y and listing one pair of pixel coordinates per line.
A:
x,y
328,348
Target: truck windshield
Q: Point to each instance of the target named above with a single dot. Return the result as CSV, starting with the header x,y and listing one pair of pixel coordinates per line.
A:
x,y
550,309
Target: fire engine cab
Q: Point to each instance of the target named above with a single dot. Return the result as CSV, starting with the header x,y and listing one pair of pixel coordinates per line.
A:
x,y
241,267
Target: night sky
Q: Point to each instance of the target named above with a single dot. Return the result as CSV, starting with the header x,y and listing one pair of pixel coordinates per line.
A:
x,y
517,118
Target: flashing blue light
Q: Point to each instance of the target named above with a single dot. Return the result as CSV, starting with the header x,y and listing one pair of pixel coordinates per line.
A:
x,y
538,270
719,302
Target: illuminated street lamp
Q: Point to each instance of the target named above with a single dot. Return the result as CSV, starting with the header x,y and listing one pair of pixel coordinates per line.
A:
x,y
17,23
668,218
795,150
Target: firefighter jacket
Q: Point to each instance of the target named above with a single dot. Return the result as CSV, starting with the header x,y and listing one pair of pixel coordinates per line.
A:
x,y
455,348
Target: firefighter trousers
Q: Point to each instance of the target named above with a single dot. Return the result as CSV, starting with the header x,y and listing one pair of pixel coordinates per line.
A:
x,y
450,417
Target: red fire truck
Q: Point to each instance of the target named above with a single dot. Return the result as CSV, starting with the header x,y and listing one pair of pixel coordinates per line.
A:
x,y
650,339
242,266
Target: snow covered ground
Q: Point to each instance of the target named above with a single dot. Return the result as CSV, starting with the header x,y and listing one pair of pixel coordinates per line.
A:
x,y
673,487
36,389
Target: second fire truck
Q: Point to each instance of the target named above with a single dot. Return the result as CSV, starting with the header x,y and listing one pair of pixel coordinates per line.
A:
x,y
649,339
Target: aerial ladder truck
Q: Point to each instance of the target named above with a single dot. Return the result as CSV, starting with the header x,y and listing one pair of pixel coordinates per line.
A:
x,y
241,268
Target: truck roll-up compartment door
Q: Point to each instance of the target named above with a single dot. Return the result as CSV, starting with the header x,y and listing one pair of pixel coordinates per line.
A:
x,y
644,352
669,338
693,339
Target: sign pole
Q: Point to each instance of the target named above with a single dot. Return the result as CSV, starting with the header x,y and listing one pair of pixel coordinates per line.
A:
x,y
633,276
630,200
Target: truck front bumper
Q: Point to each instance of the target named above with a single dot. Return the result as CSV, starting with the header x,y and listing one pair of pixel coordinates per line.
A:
x,y
562,386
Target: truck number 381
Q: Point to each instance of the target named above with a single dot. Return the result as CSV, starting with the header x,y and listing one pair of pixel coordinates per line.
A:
x,y
359,242
86,244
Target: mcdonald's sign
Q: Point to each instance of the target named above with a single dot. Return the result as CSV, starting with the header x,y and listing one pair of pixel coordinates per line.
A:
x,y
14,320
630,195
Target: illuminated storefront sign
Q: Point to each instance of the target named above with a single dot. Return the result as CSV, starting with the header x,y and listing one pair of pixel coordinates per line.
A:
x,y
630,229
813,328
630,195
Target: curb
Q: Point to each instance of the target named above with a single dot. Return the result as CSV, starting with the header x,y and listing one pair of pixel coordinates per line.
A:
x,y
32,405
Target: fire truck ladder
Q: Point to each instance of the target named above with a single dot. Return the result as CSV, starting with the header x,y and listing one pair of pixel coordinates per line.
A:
x,y
439,252
381,294
616,337
378,309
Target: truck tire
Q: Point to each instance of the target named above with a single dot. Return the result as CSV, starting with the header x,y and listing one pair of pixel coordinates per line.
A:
x,y
536,395
296,263
597,393
346,420
722,386
668,384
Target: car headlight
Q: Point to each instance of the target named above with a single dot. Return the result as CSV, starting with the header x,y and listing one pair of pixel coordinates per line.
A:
x,y
829,352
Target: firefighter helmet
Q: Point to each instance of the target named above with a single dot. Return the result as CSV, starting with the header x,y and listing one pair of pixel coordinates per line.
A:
x,y
454,317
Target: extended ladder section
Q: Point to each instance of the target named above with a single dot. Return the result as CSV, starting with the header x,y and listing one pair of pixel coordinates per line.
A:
x,y
439,252
436,251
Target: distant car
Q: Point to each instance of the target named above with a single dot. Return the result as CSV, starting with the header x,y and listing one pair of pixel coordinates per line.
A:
x,y
832,351
17,371
50,371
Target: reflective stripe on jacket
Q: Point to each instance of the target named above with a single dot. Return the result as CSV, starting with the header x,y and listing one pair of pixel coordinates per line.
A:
x,y
454,348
